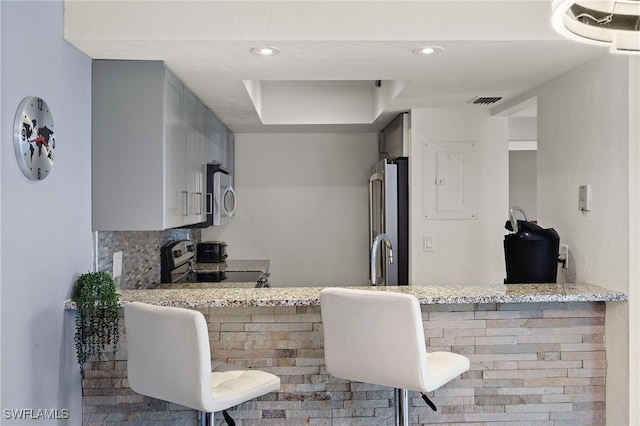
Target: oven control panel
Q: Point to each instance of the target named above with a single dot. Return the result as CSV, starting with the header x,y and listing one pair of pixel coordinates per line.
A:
x,y
183,252
177,259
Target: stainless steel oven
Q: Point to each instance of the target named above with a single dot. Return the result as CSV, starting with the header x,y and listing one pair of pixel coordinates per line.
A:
x,y
177,267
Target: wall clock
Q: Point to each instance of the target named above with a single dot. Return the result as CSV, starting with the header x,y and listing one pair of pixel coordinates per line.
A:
x,y
34,140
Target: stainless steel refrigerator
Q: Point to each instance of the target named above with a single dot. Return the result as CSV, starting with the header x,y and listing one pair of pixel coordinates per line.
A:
x,y
389,214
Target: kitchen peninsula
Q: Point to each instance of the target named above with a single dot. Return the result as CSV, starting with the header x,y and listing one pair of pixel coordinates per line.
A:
x,y
537,355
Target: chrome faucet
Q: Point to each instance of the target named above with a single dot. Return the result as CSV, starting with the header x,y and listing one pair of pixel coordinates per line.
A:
x,y
374,254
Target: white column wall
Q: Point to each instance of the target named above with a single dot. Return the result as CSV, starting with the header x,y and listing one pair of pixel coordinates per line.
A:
x,y
634,241
584,138
1,132
465,251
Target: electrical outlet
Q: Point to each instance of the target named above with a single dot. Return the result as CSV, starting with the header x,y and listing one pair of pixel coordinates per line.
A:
x,y
563,255
117,264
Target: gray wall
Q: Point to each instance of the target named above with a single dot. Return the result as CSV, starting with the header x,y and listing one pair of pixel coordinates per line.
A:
x,y
46,239
303,204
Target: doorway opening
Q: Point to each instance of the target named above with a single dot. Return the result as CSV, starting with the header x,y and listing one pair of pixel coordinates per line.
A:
x,y
523,153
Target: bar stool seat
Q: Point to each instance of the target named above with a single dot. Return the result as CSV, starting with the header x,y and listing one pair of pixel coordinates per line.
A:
x,y
169,358
377,337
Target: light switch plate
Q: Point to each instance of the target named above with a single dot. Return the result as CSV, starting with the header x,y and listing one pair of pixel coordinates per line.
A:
x,y
427,242
584,198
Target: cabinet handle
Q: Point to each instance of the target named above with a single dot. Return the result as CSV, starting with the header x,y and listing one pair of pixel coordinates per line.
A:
x,y
199,198
186,203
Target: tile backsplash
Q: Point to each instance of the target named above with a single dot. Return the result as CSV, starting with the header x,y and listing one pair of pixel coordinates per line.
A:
x,y
140,254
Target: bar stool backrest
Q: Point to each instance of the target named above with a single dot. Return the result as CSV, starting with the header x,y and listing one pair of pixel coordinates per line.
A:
x,y
374,336
168,354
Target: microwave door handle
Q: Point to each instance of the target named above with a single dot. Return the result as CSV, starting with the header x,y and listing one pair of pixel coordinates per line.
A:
x,y
209,202
228,212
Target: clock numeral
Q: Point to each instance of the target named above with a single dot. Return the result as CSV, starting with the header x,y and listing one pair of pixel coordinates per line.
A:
x,y
40,104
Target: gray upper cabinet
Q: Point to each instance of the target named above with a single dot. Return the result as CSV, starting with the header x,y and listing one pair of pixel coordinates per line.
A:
x,y
151,142
217,141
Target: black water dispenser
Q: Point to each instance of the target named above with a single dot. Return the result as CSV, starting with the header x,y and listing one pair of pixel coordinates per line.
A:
x,y
530,253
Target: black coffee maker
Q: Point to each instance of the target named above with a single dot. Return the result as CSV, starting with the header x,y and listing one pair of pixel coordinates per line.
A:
x,y
530,252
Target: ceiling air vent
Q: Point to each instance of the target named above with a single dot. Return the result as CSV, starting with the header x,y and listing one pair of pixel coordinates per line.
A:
x,y
484,100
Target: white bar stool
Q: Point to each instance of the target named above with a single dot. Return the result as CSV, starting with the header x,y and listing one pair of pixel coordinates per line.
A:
x,y
377,337
169,358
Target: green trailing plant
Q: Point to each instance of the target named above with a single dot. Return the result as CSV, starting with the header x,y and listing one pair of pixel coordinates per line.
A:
x,y
96,316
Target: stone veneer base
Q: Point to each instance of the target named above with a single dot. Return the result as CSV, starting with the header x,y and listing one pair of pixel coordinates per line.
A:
x,y
531,363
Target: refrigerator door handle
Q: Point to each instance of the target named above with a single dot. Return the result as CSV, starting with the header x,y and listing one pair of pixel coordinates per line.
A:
x,y
376,177
380,178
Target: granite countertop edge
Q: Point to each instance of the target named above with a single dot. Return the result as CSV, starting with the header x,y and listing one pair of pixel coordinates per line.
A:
x,y
427,295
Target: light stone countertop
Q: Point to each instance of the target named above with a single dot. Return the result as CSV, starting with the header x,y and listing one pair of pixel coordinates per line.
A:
x,y
427,295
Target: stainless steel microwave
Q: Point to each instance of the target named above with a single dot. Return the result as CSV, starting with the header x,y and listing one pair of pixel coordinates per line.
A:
x,y
223,195
221,198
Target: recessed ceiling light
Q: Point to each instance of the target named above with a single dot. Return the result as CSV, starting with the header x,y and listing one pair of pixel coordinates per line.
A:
x,y
265,51
427,50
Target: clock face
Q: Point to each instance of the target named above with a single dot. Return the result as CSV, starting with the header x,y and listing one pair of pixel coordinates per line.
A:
x,y
34,139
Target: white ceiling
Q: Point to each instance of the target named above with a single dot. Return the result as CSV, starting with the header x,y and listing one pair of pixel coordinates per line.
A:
x,y
491,48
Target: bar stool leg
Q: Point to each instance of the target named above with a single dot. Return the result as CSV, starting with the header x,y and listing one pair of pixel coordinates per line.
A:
x,y
401,402
206,419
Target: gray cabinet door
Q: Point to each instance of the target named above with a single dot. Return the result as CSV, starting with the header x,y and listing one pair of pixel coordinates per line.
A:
x,y
175,191
218,142
128,145
194,157
142,179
